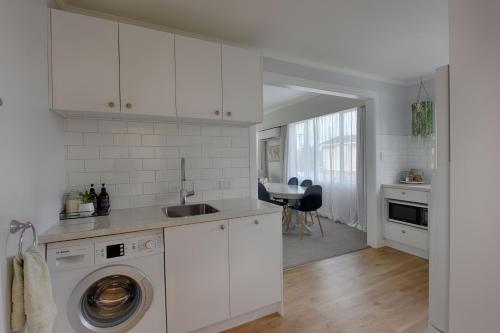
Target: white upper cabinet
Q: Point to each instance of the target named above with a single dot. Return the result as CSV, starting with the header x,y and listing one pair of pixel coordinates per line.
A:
x,y
242,84
255,261
85,70
147,71
198,78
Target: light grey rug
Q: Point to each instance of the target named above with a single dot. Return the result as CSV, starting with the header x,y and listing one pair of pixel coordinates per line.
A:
x,y
339,239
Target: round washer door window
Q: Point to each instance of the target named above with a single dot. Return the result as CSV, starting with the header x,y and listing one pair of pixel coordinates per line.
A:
x,y
111,299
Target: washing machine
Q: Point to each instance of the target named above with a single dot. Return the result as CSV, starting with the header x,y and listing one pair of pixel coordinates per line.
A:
x,y
109,284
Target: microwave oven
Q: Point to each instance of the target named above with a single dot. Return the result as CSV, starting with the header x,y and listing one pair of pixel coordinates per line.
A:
x,y
409,213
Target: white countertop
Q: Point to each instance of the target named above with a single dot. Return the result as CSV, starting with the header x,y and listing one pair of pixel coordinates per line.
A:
x,y
146,218
414,187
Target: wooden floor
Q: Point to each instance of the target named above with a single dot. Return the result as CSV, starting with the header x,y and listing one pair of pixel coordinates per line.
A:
x,y
369,291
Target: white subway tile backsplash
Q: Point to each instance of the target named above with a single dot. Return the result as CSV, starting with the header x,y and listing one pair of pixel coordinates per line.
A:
x,y
83,178
142,176
97,139
128,164
80,125
73,138
83,152
142,200
114,152
115,177
140,160
141,152
127,139
189,129
211,130
165,152
112,126
153,140
140,127
166,128
74,165
231,131
99,165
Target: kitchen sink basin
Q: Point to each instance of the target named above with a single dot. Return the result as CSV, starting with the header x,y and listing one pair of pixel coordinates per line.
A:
x,y
189,210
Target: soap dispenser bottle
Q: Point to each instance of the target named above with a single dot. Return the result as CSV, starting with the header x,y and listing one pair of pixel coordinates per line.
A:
x,y
103,201
93,197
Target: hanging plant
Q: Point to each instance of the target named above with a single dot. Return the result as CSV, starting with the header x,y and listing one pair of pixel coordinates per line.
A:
x,y
422,115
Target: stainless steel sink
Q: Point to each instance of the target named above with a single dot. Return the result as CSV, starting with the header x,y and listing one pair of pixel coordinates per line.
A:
x,y
189,210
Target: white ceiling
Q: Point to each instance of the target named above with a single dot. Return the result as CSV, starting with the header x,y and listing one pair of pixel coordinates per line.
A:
x,y
276,98
399,40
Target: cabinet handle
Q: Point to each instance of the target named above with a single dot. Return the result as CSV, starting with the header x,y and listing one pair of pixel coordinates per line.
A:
x,y
403,231
222,227
229,113
128,105
256,222
111,104
403,193
217,112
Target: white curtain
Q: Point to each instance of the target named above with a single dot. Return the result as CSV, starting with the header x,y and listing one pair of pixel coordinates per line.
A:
x,y
325,150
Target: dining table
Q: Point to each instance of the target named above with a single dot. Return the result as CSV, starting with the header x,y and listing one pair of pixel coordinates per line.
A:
x,y
292,193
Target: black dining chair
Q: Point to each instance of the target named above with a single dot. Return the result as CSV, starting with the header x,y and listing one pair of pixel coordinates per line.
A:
x,y
293,181
310,202
264,195
306,183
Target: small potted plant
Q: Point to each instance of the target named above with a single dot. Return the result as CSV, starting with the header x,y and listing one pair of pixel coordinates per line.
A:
x,y
86,205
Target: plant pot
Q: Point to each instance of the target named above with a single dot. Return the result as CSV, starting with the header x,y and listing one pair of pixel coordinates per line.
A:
x,y
87,208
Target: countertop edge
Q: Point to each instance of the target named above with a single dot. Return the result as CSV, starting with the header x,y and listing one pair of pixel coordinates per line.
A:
x,y
153,224
414,187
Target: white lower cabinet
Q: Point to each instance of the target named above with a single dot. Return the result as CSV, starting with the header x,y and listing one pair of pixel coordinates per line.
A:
x,y
217,271
197,275
255,256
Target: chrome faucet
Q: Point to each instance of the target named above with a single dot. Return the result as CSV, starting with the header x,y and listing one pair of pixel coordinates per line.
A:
x,y
184,193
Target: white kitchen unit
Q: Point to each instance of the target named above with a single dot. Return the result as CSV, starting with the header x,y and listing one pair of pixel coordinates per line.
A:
x,y
147,71
198,78
218,272
241,84
405,217
223,269
197,275
125,71
85,63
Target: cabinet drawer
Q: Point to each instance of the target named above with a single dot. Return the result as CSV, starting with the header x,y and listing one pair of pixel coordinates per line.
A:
x,y
405,195
406,235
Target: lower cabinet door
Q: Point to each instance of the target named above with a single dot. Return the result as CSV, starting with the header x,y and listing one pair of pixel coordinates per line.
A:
x,y
197,275
255,261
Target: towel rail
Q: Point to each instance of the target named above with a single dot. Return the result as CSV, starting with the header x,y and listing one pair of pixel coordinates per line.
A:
x,y
16,226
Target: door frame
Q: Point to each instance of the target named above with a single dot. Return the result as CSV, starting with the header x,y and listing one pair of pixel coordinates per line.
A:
x,y
372,163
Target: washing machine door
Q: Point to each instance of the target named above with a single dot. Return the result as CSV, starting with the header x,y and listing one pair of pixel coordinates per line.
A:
x,y
111,299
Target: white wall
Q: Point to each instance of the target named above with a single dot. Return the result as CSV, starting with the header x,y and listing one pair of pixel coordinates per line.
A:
x,y
31,136
475,161
140,160
310,108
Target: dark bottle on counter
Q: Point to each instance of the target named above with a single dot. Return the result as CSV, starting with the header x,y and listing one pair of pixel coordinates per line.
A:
x,y
103,201
93,197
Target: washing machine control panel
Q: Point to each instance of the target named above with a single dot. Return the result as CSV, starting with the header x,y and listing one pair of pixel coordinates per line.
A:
x,y
127,248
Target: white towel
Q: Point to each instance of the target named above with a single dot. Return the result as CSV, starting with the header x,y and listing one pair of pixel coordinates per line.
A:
x,y
17,316
39,306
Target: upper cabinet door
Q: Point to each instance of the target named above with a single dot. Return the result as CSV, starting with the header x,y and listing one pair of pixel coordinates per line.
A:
x,y
85,65
198,78
147,71
242,84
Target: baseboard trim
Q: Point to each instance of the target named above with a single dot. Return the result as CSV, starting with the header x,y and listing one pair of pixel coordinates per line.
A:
x,y
408,249
242,319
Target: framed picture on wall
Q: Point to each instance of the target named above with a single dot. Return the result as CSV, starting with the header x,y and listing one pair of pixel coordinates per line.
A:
x,y
274,153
